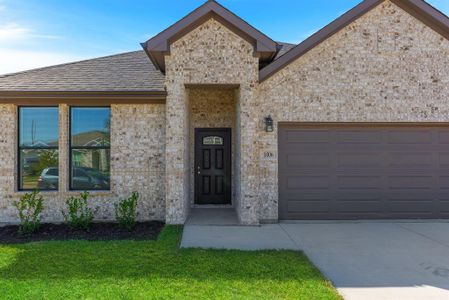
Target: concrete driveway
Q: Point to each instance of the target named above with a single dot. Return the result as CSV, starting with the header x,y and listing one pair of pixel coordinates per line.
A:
x,y
364,260
379,261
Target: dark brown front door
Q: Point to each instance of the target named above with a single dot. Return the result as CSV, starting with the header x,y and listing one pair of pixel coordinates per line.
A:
x,y
213,166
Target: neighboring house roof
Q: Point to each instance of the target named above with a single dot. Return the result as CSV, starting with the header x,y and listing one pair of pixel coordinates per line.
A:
x,y
91,138
131,71
159,46
417,8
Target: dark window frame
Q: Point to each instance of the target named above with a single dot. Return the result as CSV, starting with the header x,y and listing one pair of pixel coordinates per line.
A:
x,y
71,148
20,148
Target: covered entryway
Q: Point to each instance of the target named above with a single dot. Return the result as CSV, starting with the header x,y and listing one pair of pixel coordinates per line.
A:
x,y
363,171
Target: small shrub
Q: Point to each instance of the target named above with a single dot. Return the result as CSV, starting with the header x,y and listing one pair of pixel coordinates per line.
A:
x,y
125,211
30,207
79,215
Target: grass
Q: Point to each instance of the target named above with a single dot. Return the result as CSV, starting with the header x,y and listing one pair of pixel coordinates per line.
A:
x,y
155,270
30,181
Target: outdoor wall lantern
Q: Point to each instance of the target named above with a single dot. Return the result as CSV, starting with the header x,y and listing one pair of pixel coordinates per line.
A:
x,y
269,124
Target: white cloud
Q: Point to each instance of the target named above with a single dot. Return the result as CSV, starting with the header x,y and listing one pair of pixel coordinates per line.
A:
x,y
11,32
12,60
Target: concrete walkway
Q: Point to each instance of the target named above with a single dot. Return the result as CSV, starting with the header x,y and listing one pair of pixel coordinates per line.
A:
x,y
365,260
264,237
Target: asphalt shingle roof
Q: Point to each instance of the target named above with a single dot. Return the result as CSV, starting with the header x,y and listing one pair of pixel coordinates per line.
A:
x,y
126,72
285,47
131,71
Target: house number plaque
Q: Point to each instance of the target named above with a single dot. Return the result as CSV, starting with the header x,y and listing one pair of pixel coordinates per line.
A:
x,y
268,155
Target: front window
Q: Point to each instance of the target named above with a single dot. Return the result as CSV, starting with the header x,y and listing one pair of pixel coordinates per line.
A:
x,y
38,148
90,148
213,140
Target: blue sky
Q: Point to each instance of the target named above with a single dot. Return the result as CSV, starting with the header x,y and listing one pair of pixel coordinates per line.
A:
x,y
35,33
45,122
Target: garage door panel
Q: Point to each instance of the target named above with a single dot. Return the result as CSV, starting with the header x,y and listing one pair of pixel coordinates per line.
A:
x,y
407,137
443,159
309,205
443,205
410,159
307,182
359,205
359,159
359,182
411,183
363,172
357,137
443,136
307,136
308,159
444,183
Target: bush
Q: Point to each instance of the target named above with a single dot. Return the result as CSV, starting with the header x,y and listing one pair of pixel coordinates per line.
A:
x,y
125,211
79,215
30,206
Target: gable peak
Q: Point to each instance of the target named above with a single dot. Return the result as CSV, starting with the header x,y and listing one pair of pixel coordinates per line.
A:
x,y
158,46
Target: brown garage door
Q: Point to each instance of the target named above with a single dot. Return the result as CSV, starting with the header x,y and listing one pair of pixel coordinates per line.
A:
x,y
337,171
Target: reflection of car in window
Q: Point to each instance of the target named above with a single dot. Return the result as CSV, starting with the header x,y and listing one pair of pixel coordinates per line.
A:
x,y
82,179
48,179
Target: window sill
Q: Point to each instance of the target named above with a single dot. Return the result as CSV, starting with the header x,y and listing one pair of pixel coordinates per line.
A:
x,y
95,193
91,192
41,192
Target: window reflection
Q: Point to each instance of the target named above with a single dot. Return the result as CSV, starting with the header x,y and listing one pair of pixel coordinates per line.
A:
x,y
90,148
38,148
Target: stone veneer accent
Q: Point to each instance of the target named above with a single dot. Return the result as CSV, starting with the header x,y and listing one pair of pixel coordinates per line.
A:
x,y
385,67
213,55
211,108
137,163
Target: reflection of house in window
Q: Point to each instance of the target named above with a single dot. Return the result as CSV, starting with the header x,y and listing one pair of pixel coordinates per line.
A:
x,y
38,147
31,159
90,156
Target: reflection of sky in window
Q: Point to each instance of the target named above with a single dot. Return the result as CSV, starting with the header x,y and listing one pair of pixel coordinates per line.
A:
x,y
38,124
89,119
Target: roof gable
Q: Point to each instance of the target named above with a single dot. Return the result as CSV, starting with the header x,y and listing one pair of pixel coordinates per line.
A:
x,y
417,8
158,46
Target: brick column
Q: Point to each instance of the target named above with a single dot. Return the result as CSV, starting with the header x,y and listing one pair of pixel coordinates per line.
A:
x,y
64,148
177,154
248,204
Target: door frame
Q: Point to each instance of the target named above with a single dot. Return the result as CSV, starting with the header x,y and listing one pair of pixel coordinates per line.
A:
x,y
195,157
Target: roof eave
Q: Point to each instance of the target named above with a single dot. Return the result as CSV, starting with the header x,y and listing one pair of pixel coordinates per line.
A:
x,y
87,98
427,14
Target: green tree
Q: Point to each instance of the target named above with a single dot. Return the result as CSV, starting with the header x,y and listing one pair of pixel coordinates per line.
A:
x,y
47,158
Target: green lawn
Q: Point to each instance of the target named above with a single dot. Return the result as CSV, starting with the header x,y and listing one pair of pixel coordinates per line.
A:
x,y
155,270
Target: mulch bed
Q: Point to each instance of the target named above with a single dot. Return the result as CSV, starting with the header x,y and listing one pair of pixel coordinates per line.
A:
x,y
97,232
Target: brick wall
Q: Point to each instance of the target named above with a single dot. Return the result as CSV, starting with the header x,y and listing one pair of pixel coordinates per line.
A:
x,y
385,67
137,163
